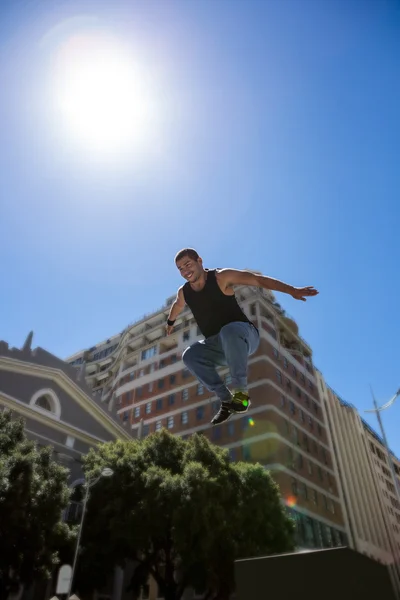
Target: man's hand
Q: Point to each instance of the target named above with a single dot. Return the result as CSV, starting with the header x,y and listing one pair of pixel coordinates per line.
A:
x,y
300,292
169,329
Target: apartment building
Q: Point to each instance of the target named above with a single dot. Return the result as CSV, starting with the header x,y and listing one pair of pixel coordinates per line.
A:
x,y
141,374
371,507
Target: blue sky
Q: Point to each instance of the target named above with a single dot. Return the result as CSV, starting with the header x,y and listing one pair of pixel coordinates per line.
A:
x,y
276,148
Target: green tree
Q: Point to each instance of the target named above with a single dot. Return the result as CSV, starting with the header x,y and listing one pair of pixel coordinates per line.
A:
x,y
33,494
182,511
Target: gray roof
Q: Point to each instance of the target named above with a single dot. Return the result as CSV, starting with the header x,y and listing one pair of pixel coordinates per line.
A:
x,y
41,357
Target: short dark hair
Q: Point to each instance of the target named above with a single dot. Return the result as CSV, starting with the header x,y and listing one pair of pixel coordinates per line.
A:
x,y
190,252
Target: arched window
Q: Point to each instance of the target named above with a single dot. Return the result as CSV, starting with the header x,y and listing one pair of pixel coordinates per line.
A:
x,y
46,401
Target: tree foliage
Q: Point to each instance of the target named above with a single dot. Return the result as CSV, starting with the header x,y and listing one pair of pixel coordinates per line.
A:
x,y
182,511
33,494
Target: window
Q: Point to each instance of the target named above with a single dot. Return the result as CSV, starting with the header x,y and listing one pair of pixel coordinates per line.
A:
x,y
160,384
279,375
148,408
315,407
276,353
301,416
246,452
294,487
150,388
305,442
294,371
300,461
288,384
137,411
295,435
232,453
302,378
141,373
310,468
139,392
185,373
172,379
171,399
320,474
44,402
170,422
298,392
231,428
304,491
174,358
283,400
161,364
158,425
47,401
132,375
186,336
319,429
311,422
185,417
149,352
200,413
159,403
185,394
146,429
315,496
292,407
200,389
216,433
285,363
70,441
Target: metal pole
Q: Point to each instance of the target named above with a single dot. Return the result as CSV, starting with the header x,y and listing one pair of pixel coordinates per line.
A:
x,y
78,540
389,454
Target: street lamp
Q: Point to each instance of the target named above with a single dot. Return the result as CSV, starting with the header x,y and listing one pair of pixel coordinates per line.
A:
x,y
106,472
378,410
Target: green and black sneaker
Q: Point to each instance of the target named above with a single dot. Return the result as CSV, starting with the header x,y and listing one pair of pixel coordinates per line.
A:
x,y
240,401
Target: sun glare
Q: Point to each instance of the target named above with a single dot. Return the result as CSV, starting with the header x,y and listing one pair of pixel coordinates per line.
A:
x,y
104,100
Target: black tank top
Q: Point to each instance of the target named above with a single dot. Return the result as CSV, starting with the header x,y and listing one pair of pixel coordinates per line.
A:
x,y
211,308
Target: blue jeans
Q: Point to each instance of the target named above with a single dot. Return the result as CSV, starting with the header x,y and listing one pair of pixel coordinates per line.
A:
x,y
231,346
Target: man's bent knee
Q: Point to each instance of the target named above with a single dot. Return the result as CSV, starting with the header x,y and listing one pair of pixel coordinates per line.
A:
x,y
188,355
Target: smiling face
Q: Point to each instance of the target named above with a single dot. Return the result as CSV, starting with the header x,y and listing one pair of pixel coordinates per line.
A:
x,y
191,269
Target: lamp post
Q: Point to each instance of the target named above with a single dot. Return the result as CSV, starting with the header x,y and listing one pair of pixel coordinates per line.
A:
x,y
377,410
105,473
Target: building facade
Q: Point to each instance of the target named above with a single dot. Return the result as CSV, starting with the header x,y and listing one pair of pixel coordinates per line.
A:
x,y
140,374
371,507
60,411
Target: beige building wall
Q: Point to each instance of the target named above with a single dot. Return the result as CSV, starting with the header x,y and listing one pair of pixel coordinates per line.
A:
x,y
366,513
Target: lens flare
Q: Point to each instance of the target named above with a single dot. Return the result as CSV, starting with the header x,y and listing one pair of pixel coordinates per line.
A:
x,y
251,422
291,501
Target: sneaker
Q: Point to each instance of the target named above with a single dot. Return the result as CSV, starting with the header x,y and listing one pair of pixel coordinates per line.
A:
x,y
240,402
225,412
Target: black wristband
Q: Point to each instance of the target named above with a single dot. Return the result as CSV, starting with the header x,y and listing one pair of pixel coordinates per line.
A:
x,y
170,323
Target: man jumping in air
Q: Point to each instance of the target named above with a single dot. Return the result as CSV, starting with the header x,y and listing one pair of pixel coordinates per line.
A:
x,y
229,336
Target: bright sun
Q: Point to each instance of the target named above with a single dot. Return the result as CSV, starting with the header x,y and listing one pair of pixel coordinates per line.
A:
x,y
103,99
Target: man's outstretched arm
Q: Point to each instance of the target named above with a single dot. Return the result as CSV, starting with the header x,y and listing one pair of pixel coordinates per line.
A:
x,y
176,308
232,277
